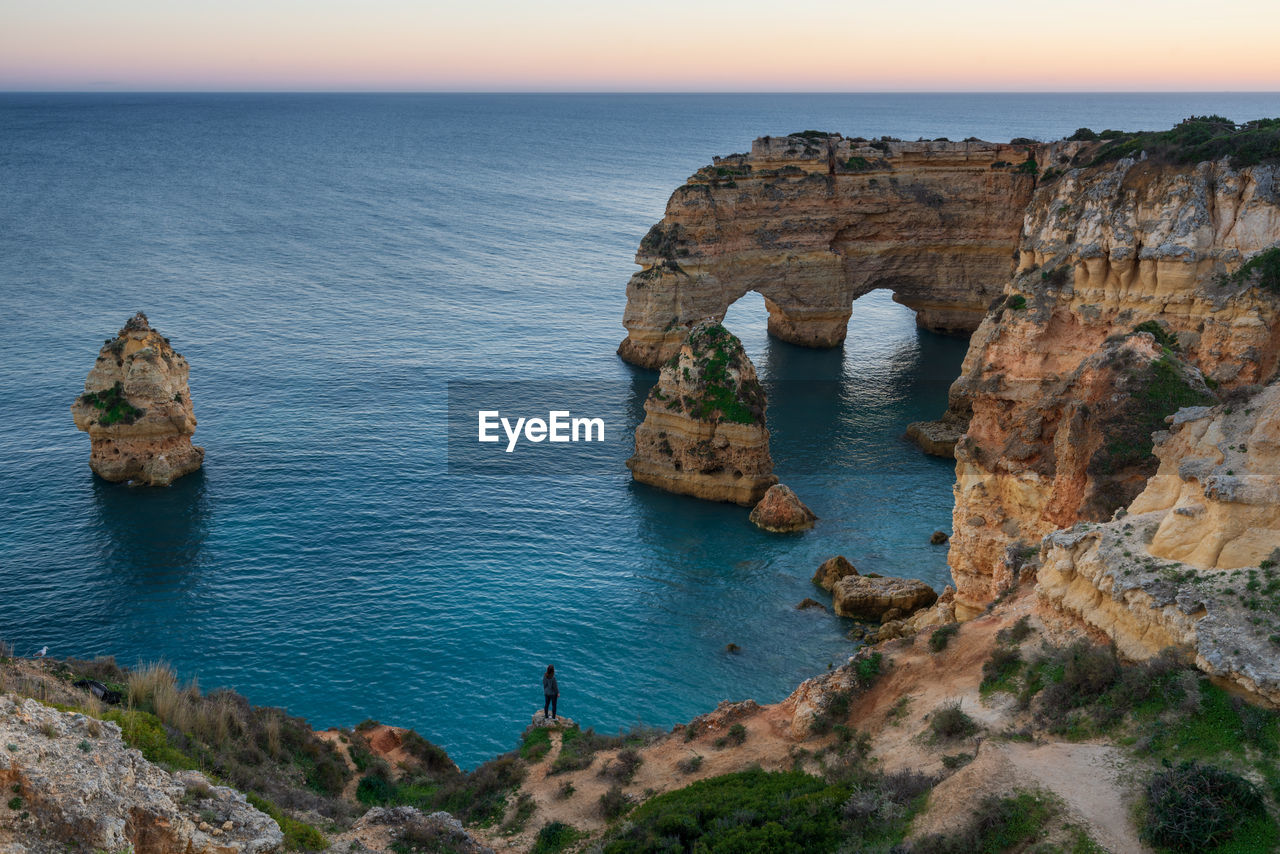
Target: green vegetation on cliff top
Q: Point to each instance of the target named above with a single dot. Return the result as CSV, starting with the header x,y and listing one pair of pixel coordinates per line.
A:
x,y
1193,140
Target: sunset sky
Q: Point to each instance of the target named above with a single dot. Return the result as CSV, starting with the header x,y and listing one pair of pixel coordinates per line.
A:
x,y
626,45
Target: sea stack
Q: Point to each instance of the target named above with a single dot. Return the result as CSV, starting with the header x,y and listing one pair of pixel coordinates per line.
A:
x,y
704,430
136,408
782,512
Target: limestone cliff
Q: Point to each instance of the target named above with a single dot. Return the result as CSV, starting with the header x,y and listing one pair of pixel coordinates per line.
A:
x,y
1111,253
1195,561
70,780
815,220
704,430
136,408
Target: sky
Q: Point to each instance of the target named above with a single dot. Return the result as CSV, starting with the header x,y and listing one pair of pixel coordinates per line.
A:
x,y
640,45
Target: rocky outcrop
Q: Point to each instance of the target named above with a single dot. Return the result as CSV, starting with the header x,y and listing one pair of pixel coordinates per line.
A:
x,y
782,512
938,438
704,430
1118,302
866,597
832,570
814,221
136,408
78,784
1195,561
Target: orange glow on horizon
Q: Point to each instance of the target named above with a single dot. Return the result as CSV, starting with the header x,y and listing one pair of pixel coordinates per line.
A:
x,y
659,45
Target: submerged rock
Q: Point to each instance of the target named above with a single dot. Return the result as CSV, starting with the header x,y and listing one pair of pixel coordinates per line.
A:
x,y
866,598
704,430
136,408
939,538
781,511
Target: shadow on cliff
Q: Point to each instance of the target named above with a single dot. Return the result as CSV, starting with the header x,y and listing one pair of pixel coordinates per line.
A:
x,y
152,535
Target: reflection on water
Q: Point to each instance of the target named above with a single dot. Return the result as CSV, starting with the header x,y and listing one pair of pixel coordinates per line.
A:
x,y
152,537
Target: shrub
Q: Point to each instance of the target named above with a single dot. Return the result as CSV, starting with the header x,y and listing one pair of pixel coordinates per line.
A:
x,y
751,810
950,722
535,744
942,636
998,824
690,765
1083,135
554,837
614,802
867,668
375,790
624,766
1163,336
481,796
1016,302
1197,139
956,760
999,670
1194,807
1262,269
736,735
113,404
1017,633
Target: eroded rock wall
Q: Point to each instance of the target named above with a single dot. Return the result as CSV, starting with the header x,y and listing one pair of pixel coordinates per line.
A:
x,y
1106,250
814,222
1195,561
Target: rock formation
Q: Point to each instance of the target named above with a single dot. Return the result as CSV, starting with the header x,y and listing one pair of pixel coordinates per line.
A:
x,y
81,787
1119,300
704,430
866,598
813,221
136,408
781,511
871,597
832,570
1195,561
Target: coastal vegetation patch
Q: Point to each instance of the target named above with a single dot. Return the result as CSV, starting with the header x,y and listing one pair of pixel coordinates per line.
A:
x,y
1194,140
758,810
1262,270
113,405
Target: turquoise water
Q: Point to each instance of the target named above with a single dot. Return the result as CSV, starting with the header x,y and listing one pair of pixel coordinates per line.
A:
x,y
328,265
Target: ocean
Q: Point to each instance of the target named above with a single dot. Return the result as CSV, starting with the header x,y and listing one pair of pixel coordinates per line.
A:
x,y
332,266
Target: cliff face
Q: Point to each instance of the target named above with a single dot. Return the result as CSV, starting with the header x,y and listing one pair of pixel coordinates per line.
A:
x,y
1057,425
70,779
1195,562
136,408
704,430
813,222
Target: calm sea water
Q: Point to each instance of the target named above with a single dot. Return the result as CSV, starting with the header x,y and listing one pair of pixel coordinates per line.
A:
x,y
328,265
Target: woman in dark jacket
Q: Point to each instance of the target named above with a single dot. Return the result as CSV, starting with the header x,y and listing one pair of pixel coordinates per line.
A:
x,y
550,691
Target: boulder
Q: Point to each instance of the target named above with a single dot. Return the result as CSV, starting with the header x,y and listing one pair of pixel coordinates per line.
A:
x,y
832,570
782,512
939,538
807,604
867,598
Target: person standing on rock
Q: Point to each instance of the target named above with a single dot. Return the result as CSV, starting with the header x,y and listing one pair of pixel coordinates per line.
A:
x,y
550,691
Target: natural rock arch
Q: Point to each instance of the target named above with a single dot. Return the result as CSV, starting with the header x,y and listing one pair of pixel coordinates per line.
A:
x,y
814,223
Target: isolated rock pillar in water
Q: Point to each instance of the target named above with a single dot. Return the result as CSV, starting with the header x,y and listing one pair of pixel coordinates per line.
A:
x,y
136,408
